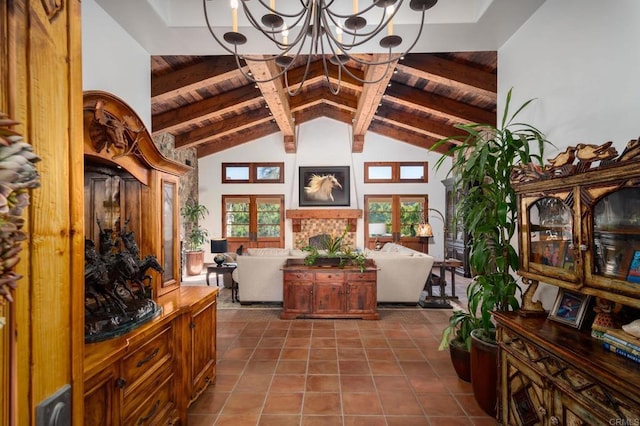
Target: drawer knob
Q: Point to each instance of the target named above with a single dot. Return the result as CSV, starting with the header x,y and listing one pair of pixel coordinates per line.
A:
x,y
542,411
554,420
120,383
149,358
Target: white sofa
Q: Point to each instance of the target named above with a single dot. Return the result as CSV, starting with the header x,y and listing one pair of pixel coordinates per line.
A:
x,y
259,273
402,273
401,278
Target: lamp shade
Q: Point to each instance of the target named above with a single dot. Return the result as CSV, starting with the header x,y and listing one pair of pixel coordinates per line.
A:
x,y
219,245
377,228
425,230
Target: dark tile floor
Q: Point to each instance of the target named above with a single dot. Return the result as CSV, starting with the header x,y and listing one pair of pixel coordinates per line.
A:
x,y
334,372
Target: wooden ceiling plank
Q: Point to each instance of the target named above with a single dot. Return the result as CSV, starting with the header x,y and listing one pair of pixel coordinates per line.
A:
x,y
450,73
417,122
256,132
370,98
437,105
274,95
316,74
222,128
210,72
205,109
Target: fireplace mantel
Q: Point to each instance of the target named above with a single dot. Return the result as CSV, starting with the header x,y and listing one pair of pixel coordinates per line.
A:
x,y
297,216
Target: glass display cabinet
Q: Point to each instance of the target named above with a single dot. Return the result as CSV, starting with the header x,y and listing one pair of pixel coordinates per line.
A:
x,y
579,229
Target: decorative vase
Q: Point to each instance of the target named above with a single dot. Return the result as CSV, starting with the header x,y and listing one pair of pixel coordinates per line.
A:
x,y
484,373
195,262
461,360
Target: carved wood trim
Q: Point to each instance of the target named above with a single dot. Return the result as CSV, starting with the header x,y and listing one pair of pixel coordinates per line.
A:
x,y
52,7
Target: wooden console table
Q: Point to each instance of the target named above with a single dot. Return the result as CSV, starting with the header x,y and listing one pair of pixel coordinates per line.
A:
x,y
329,292
440,301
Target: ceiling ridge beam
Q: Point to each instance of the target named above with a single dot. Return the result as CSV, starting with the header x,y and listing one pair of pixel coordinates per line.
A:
x,y
370,98
275,97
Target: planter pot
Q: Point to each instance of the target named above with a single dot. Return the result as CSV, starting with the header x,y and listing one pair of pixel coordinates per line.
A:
x,y
195,262
461,360
484,373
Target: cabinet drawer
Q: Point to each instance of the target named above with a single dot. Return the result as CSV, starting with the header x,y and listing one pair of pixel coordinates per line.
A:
x,y
330,276
361,276
144,360
155,404
298,276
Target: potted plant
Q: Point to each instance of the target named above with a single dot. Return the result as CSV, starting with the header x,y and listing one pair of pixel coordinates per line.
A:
x,y
457,338
481,163
195,236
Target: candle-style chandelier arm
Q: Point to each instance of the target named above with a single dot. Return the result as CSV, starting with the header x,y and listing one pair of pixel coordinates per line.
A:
x,y
317,24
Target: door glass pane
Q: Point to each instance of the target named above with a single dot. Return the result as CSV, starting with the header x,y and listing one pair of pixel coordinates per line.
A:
x,y
551,233
616,235
411,213
380,214
237,217
269,217
168,212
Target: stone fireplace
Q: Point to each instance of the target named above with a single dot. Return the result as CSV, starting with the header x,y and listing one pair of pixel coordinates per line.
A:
x,y
309,223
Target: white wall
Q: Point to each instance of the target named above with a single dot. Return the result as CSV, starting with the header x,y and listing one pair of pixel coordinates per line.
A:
x,y
580,58
321,142
112,61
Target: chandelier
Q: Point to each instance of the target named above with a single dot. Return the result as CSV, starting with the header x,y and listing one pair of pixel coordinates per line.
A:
x,y
315,29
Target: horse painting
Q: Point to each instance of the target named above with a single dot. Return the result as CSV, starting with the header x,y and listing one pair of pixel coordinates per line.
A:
x,y
320,187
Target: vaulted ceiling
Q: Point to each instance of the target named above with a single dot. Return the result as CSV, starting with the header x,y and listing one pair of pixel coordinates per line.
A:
x,y
208,104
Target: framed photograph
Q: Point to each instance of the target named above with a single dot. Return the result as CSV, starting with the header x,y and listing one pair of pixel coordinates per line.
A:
x,y
569,308
633,276
324,186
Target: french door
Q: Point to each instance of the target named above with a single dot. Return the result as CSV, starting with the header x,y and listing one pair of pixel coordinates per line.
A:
x,y
253,220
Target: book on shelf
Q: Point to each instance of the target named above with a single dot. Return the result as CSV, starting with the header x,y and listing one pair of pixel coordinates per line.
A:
x,y
623,337
618,351
604,337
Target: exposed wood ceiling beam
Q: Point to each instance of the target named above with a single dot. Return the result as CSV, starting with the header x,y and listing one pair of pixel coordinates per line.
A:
x,y
222,128
370,98
316,75
417,123
207,73
454,74
275,97
249,135
205,110
437,105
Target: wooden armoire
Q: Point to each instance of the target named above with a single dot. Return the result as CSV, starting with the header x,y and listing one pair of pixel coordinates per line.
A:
x,y
151,374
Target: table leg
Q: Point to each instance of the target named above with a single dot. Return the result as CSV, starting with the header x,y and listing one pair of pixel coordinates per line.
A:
x,y
234,291
209,273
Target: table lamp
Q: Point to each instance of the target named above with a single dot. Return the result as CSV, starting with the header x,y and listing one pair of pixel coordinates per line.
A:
x,y
219,248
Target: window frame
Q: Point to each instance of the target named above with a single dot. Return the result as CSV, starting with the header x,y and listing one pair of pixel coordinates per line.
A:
x,y
396,168
253,240
253,172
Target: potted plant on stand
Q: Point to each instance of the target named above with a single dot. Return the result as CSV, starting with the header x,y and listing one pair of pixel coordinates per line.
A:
x,y
195,236
481,166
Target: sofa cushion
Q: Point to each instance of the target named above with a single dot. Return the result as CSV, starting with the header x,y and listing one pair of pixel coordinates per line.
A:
x,y
267,251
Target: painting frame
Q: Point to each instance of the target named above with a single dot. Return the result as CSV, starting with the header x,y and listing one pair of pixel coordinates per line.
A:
x,y
325,194
570,308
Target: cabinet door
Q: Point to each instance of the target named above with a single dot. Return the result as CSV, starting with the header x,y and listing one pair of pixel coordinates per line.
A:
x,y
523,397
549,238
101,406
329,298
203,348
298,297
170,252
361,297
614,262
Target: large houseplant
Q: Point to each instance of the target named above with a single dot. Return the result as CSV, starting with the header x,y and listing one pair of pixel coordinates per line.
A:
x,y
195,236
481,163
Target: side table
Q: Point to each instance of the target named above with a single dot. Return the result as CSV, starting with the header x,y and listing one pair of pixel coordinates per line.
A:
x,y
225,269
440,301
